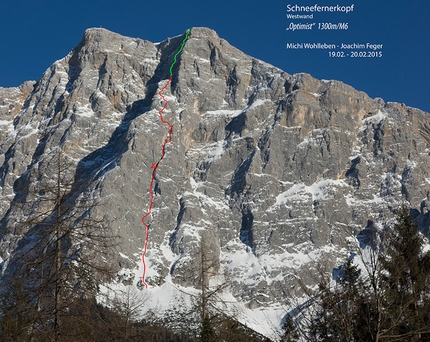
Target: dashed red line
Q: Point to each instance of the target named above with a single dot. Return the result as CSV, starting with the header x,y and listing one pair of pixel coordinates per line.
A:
x,y
154,167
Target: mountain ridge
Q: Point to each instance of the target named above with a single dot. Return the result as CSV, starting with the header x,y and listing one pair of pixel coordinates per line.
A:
x,y
273,172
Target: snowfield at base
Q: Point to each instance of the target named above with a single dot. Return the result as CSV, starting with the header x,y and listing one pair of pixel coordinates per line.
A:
x,y
178,302
157,302
280,171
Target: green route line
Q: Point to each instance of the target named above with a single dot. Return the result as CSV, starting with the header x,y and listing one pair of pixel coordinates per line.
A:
x,y
180,50
155,165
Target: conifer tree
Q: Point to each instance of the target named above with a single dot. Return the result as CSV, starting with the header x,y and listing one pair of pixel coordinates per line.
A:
x,y
337,315
65,256
405,278
291,333
389,302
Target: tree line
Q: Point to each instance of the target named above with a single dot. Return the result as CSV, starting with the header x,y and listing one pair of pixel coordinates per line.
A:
x,y
55,278
387,299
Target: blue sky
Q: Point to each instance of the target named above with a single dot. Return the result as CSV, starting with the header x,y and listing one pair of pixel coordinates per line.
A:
x,y
36,33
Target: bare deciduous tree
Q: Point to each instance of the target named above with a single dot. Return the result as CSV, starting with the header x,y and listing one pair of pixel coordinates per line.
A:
x,y
68,247
387,300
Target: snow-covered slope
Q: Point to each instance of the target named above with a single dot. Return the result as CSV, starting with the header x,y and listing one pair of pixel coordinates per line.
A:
x,y
271,173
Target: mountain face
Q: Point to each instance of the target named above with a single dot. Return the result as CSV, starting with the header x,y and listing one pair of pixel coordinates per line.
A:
x,y
272,173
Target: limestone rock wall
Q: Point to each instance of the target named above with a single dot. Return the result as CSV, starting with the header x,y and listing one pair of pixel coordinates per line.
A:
x,y
270,172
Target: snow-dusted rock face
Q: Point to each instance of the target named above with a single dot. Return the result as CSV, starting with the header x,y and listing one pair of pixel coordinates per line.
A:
x,y
274,172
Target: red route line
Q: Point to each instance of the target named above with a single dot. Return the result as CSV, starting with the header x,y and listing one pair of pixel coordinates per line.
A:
x,y
155,166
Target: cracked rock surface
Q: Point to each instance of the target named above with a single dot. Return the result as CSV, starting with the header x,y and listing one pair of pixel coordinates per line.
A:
x,y
272,172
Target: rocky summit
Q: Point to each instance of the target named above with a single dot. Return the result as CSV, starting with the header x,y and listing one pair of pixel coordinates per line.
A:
x,y
267,176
